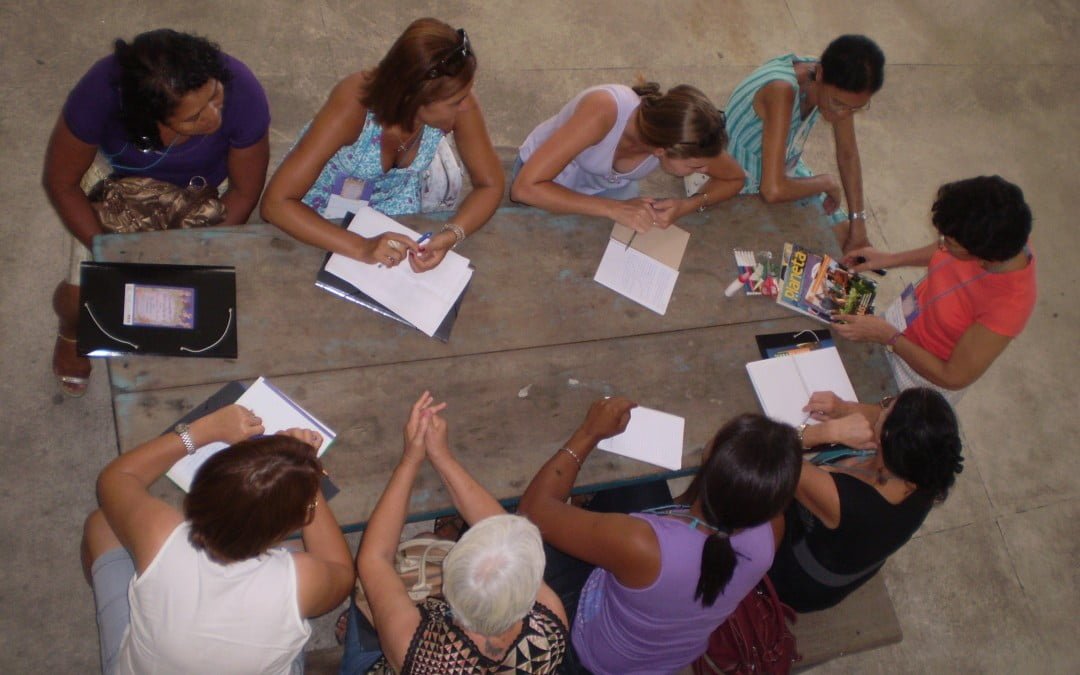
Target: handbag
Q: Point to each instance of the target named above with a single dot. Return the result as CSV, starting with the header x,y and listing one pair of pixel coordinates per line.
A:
x,y
756,638
140,204
419,564
440,184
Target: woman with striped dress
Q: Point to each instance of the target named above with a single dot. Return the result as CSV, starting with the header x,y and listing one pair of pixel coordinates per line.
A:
x,y
771,112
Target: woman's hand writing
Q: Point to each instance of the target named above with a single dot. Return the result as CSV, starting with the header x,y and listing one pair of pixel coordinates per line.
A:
x,y
230,424
824,405
637,214
607,417
429,254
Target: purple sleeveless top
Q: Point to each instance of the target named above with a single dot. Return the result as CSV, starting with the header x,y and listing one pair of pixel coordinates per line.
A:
x,y
591,172
661,628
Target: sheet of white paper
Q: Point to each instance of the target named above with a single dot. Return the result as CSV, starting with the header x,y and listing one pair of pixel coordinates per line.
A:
x,y
422,299
784,385
337,206
637,276
652,436
278,412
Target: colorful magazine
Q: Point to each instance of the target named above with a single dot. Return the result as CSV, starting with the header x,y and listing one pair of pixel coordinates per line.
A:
x,y
816,285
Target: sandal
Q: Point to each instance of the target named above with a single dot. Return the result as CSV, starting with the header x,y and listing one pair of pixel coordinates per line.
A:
x,y
341,627
74,385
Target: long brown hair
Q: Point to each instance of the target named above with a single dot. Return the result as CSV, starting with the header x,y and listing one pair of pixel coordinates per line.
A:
x,y
402,81
251,495
683,122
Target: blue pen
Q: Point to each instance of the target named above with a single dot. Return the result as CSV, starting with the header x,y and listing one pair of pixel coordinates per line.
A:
x,y
424,237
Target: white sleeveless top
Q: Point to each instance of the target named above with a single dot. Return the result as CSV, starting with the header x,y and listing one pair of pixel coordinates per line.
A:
x,y
591,172
190,614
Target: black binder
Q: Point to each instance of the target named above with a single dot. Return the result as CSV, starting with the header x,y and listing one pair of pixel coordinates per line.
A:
x,y
167,310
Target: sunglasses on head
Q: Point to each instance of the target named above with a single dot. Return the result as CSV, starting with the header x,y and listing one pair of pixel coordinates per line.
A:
x,y
453,63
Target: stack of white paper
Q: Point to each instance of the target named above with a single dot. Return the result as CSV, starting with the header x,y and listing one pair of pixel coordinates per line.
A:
x,y
423,299
651,436
278,413
784,384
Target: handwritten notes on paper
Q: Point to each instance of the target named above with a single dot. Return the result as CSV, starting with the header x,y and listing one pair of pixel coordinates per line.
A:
x,y
644,267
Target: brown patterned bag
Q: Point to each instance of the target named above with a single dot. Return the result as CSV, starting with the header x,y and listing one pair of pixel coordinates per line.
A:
x,y
755,639
138,204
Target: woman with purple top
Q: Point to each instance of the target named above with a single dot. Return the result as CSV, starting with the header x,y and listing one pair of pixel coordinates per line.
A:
x,y
666,578
168,106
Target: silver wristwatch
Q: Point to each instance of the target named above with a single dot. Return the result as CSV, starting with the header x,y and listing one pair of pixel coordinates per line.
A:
x,y
184,432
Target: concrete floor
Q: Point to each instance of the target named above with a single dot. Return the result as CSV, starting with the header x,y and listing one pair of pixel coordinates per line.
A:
x,y
981,86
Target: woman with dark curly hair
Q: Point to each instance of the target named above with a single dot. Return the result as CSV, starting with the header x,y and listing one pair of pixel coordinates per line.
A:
x,y
211,590
167,106
589,157
977,295
848,517
381,137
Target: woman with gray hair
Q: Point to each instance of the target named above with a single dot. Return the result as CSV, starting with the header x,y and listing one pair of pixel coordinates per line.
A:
x,y
497,616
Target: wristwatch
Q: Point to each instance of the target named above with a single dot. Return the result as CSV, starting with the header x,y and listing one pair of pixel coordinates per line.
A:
x,y
184,432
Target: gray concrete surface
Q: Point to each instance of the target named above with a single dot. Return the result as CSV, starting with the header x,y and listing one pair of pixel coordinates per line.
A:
x,y
982,86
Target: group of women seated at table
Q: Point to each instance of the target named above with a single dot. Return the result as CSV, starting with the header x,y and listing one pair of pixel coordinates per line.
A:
x,y
173,107
650,586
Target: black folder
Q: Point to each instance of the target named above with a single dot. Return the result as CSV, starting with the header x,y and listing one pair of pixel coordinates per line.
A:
x,y
167,310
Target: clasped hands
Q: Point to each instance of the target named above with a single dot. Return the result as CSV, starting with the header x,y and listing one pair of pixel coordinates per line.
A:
x,y
841,422
425,432
644,213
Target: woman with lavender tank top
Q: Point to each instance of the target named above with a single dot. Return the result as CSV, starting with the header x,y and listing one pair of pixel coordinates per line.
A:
x,y
589,157
664,580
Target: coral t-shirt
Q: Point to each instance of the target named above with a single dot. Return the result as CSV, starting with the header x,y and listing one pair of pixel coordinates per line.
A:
x,y
958,293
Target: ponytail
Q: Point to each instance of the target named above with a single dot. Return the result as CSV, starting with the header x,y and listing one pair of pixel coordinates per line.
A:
x,y
717,567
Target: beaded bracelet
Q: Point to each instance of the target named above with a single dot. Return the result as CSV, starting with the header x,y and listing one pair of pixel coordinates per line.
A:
x,y
704,201
572,454
459,234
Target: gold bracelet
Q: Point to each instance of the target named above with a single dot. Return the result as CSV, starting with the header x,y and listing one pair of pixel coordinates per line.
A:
x,y
572,454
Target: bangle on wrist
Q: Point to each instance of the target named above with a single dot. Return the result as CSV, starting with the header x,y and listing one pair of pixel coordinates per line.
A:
x,y
857,215
704,201
890,344
802,430
459,234
573,454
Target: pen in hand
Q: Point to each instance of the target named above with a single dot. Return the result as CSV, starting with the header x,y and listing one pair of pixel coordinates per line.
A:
x,y
424,237
631,241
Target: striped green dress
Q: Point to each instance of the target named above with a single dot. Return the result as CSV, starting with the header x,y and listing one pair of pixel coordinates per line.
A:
x,y
744,127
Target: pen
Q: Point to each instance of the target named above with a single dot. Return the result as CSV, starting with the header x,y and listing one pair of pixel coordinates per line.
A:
x,y
424,237
860,260
631,241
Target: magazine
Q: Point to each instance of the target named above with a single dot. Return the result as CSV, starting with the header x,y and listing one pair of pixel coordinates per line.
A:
x,y
817,285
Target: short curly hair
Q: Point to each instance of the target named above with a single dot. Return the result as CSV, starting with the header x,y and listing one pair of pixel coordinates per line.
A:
x,y
920,441
157,69
987,215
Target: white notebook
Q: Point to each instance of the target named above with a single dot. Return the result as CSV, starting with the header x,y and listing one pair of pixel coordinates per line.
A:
x,y
651,436
423,299
644,267
784,384
278,413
